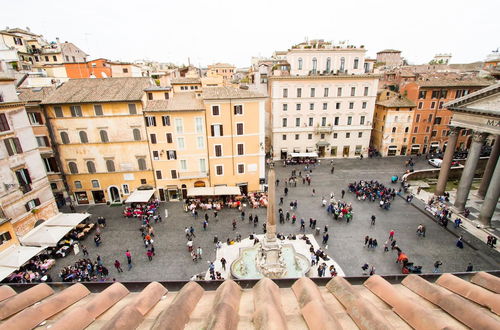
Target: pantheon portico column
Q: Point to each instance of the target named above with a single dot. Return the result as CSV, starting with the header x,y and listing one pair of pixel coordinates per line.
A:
x,y
490,167
468,171
491,198
447,159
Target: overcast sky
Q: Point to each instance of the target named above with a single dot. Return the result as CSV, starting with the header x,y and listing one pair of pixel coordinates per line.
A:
x,y
233,31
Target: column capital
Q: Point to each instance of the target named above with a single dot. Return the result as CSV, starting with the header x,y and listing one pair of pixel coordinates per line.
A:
x,y
479,136
454,130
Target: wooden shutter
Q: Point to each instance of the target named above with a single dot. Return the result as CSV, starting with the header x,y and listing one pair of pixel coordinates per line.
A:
x,y
147,122
46,141
27,175
20,177
37,201
27,206
53,164
4,124
9,148
212,130
221,131
169,137
73,112
18,146
38,117
153,138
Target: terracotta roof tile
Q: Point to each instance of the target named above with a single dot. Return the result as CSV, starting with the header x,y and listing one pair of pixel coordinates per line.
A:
x,y
470,291
149,297
99,90
35,94
24,299
177,314
224,315
30,317
397,102
461,309
6,292
128,318
487,281
313,306
179,102
218,93
184,80
361,311
268,311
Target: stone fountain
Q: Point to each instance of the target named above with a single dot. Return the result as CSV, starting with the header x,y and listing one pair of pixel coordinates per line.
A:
x,y
270,258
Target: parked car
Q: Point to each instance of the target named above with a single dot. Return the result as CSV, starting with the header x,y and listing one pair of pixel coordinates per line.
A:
x,y
436,162
436,155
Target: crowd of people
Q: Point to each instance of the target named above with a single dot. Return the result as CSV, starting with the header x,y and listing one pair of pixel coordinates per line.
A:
x,y
372,191
253,200
85,270
34,271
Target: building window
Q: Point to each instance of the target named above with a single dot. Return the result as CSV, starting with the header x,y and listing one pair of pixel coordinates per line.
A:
x,y
98,110
335,135
198,122
297,136
417,118
180,143
150,96
238,109
137,134
394,130
200,143
239,129
65,138
440,106
356,63
219,170
365,93
353,91
171,154
328,66
299,92
215,110
4,124
104,136
435,94
165,120
413,139
360,135
132,109
183,164
325,106
91,167
430,118
336,121
42,141
300,63
241,168
150,121
323,121
173,174
349,120
326,90
141,163
283,137
347,135
433,105
218,150
322,136
50,164
342,64
339,91
169,137
362,120
427,129
285,107
314,64
363,105
433,133
217,130
313,92
297,122
24,180
422,94
284,122
415,129
179,126
125,189
437,121
73,168
337,105
76,111
167,96
311,121
240,149
351,105
95,183
158,175
110,165
311,106
203,165
298,106
35,118
58,112
285,92
407,129
420,105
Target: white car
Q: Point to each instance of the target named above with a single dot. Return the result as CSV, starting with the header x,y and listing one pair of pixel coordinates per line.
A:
x,y
436,162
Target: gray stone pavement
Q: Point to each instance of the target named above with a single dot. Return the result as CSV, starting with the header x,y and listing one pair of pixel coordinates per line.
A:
x,y
173,262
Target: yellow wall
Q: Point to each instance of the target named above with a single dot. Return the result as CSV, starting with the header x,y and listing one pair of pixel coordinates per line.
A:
x,y
7,227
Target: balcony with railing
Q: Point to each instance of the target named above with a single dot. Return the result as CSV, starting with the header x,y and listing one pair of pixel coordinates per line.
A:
x,y
323,129
193,175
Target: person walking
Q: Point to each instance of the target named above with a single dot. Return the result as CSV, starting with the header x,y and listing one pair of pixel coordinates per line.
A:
x,y
84,250
302,224
386,246
333,169
325,238
469,267
150,255
118,266
460,242
205,225
129,259
199,252
206,217
234,224
366,239
223,262
372,270
373,220
436,266
343,193
286,191
391,234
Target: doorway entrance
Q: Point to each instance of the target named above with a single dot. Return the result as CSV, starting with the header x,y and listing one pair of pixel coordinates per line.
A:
x,y
243,188
162,194
321,151
284,154
345,153
98,196
173,194
403,150
114,194
184,191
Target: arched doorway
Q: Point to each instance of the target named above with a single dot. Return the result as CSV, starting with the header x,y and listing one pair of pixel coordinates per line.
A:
x,y
198,184
184,191
114,194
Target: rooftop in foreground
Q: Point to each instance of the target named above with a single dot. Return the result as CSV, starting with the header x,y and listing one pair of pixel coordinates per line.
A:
x,y
458,302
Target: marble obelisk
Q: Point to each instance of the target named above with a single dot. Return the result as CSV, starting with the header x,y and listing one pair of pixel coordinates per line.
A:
x,y
271,218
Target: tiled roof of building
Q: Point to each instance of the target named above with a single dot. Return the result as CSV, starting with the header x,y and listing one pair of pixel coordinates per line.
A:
x,y
99,90
389,51
454,83
214,93
185,80
221,65
397,102
449,303
158,88
186,101
36,94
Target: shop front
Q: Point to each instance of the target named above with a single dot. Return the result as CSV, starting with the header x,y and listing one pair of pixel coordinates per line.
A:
x,y
81,197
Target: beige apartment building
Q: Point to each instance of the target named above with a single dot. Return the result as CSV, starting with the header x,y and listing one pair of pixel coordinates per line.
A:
x,y
224,70
392,124
323,101
25,193
99,133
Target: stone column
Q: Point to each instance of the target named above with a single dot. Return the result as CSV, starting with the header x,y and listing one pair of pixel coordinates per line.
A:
x,y
490,167
468,172
446,164
491,198
271,200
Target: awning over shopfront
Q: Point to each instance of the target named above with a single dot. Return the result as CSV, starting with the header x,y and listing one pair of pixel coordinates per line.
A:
x,y
322,144
16,255
66,219
214,191
304,154
5,272
44,235
140,196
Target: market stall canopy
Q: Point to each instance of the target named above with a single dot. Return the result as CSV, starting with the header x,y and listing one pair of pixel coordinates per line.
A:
x,y
5,272
304,154
44,235
214,191
140,196
66,219
226,190
16,255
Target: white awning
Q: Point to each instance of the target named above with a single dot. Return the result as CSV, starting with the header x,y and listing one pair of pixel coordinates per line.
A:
x,y
16,255
304,154
224,190
66,219
214,191
200,191
5,272
140,196
44,235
